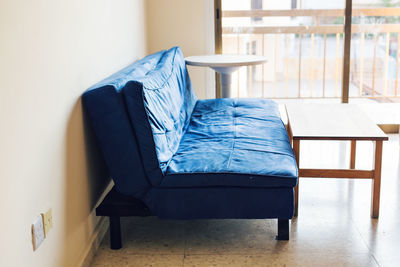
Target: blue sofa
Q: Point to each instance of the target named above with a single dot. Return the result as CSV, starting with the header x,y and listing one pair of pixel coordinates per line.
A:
x,y
176,157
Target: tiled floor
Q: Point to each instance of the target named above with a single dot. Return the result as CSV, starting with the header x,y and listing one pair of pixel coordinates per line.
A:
x,y
334,227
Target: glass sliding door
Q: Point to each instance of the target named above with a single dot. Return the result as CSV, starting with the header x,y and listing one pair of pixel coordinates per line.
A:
x,y
374,74
303,41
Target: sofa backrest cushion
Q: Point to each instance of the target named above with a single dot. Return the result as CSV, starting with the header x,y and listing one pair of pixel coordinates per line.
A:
x,y
160,105
107,115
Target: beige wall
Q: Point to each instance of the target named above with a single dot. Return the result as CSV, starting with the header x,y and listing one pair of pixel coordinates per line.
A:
x,y
50,51
189,24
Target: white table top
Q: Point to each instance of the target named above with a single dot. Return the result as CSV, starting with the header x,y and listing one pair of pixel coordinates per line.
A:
x,y
224,60
331,122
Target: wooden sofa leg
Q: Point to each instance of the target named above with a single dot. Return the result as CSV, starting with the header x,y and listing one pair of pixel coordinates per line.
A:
x,y
115,232
283,229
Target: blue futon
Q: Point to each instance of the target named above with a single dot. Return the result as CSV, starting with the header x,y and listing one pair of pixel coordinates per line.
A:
x,y
176,157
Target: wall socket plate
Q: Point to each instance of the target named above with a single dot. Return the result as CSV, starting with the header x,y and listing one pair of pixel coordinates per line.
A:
x,y
47,221
37,232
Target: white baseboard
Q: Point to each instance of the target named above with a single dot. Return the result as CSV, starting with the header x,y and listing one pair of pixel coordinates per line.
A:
x,y
95,240
97,236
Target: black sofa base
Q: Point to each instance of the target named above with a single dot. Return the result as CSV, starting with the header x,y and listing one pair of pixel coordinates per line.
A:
x,y
116,205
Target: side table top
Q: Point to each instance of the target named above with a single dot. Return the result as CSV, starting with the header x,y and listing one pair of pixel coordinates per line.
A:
x,y
224,60
331,122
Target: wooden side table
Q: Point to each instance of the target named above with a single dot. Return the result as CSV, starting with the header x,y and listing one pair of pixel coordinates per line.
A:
x,y
336,122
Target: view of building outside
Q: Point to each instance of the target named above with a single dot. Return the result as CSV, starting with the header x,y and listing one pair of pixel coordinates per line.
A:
x,y
303,42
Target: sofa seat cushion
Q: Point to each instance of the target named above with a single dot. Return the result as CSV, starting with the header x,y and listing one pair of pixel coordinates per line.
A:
x,y
233,142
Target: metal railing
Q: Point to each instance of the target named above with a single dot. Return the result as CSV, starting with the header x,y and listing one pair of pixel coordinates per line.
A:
x,y
374,73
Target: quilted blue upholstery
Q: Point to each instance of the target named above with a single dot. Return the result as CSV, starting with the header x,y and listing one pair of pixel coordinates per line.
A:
x,y
216,142
104,106
160,105
233,142
188,158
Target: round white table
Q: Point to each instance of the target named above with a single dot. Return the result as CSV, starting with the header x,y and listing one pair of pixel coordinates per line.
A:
x,y
225,65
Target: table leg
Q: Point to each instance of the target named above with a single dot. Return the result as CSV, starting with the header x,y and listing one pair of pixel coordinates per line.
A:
x,y
353,154
226,79
376,182
296,150
289,130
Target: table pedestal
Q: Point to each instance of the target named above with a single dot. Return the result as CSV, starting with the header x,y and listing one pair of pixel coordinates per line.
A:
x,y
226,80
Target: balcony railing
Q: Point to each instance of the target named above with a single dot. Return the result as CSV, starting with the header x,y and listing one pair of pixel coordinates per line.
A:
x,y
305,61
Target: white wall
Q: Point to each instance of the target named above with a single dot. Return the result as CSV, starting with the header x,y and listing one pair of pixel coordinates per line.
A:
x,y
50,52
189,24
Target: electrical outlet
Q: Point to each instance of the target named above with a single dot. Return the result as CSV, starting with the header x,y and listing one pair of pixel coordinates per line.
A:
x,y
37,232
47,221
